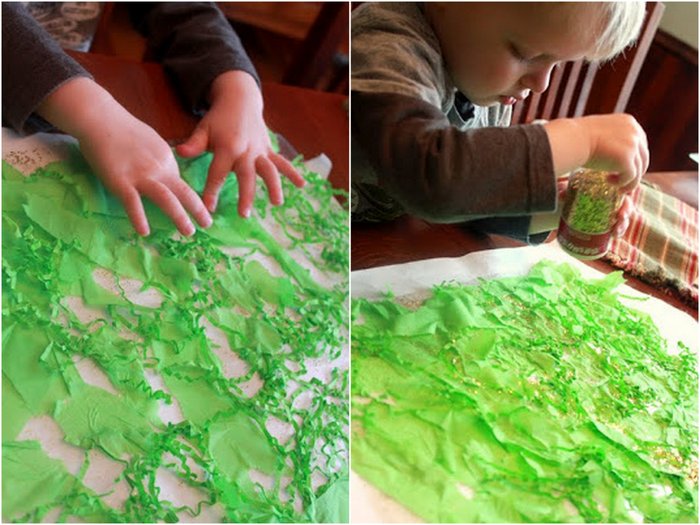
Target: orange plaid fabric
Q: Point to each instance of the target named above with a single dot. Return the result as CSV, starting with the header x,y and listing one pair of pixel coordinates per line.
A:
x,y
661,244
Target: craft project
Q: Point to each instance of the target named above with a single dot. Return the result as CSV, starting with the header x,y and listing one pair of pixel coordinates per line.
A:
x,y
223,356
539,398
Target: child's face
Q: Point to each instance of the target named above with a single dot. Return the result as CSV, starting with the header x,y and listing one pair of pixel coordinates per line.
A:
x,y
500,52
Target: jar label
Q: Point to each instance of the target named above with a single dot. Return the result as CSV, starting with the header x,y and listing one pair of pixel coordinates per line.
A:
x,y
581,244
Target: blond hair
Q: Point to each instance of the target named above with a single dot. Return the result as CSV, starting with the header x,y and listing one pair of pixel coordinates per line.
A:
x,y
619,25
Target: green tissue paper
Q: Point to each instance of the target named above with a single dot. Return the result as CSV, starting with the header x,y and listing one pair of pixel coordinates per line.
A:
x,y
60,229
540,398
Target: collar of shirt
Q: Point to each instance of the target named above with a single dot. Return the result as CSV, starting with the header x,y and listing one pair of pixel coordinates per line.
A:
x,y
464,106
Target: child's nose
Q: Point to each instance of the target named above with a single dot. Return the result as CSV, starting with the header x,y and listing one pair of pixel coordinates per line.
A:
x,y
538,79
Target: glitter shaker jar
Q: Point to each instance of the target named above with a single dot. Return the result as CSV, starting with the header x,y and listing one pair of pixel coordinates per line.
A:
x,y
589,213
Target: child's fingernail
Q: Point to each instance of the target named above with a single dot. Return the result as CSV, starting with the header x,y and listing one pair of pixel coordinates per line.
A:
x,y
208,221
246,213
614,178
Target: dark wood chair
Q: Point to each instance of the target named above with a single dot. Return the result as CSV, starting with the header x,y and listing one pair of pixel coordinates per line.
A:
x,y
115,36
573,83
310,49
317,32
318,60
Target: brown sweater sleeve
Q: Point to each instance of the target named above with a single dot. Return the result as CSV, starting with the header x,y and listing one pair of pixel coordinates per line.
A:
x,y
33,66
442,174
194,42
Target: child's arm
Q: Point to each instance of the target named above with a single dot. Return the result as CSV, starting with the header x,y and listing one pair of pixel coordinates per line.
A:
x,y
43,87
198,47
33,65
195,44
443,174
129,157
446,175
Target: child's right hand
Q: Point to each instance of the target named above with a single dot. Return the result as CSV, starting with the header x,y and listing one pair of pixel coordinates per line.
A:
x,y
130,158
618,143
606,142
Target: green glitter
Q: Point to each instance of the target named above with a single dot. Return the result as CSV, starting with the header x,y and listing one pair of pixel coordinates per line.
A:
x,y
59,225
591,202
591,214
529,399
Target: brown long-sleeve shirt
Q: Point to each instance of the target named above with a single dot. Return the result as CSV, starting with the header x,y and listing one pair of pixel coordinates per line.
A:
x,y
193,40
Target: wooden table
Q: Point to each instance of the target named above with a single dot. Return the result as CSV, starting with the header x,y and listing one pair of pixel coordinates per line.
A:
x,y
411,239
313,122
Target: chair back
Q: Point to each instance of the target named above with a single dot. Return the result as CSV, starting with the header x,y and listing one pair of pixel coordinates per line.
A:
x,y
318,63
571,83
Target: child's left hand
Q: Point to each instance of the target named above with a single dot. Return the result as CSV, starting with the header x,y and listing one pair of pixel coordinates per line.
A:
x,y
235,131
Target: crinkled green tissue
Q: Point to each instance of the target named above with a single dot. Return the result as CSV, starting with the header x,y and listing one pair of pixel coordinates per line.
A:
x,y
59,228
540,398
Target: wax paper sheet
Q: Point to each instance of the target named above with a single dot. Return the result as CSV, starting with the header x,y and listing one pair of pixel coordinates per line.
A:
x,y
537,397
169,378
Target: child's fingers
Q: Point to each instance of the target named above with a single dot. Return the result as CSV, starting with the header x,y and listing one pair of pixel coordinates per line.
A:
x,y
642,164
287,169
134,209
562,185
622,178
621,227
191,201
195,145
626,206
644,152
166,201
623,216
636,166
632,184
246,186
269,174
218,172
626,180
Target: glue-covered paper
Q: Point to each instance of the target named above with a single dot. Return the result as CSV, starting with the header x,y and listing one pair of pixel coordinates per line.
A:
x,y
538,398
252,428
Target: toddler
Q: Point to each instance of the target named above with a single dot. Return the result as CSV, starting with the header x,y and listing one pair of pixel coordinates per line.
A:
x,y
433,86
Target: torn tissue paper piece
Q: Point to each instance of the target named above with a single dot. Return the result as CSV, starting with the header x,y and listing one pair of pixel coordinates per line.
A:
x,y
157,379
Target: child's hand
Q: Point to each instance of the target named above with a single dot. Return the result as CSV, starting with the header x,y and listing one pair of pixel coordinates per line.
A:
x,y
130,158
624,215
618,143
234,130
606,142
133,161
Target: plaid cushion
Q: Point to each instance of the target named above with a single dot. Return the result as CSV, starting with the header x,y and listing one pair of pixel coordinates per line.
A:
x,y
661,244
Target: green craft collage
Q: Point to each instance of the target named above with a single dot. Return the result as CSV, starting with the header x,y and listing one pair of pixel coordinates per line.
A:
x,y
349,262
